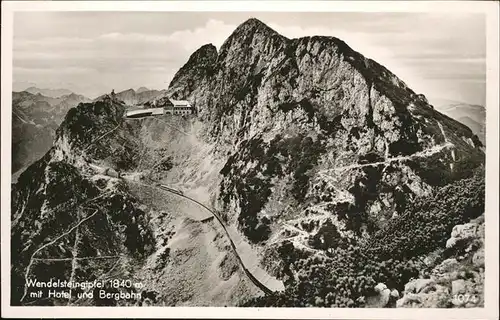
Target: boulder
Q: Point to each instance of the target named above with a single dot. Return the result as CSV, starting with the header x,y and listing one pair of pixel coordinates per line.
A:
x,y
381,299
478,258
422,284
384,298
462,232
395,293
380,287
451,242
458,286
437,298
418,285
447,265
428,261
408,300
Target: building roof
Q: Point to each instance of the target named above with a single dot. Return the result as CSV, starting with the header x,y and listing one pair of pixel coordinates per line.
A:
x,y
141,111
180,102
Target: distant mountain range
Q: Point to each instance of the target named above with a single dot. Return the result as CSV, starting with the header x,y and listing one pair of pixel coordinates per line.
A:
x,y
472,115
53,93
131,97
35,118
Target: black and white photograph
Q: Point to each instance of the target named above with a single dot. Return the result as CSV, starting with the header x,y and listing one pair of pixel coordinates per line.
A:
x,y
250,159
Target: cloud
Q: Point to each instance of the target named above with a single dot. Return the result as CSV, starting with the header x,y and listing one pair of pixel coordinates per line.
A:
x,y
129,57
421,48
62,71
430,52
68,42
214,31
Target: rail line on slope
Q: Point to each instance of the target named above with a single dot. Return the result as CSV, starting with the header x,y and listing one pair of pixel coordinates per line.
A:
x,y
252,278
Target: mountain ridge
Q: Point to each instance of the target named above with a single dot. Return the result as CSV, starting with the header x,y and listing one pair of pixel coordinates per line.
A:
x,y
395,92
132,97
53,93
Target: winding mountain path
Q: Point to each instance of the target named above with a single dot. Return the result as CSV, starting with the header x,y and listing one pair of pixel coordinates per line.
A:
x,y
421,154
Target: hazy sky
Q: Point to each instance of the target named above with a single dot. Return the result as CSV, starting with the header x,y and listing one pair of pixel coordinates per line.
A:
x,y
439,55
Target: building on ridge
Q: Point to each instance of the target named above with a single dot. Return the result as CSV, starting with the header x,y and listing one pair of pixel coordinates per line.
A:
x,y
162,106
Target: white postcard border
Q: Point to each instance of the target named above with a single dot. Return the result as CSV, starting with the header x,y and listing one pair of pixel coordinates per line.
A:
x,y
489,8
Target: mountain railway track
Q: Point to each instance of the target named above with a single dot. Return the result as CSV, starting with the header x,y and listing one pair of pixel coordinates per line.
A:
x,y
248,273
252,278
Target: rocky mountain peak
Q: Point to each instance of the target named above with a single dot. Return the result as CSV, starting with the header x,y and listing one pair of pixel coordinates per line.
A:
x,y
249,38
81,123
254,25
128,91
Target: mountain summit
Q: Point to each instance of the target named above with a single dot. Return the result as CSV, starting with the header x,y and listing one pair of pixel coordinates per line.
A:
x,y
251,27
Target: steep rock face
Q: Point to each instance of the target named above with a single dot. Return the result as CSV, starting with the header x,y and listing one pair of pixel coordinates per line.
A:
x,y
312,128
62,210
199,66
318,148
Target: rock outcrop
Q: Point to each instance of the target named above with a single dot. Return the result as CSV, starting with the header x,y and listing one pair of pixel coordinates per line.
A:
x,y
458,281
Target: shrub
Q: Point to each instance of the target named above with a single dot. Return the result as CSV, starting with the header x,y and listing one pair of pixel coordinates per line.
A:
x,y
392,256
